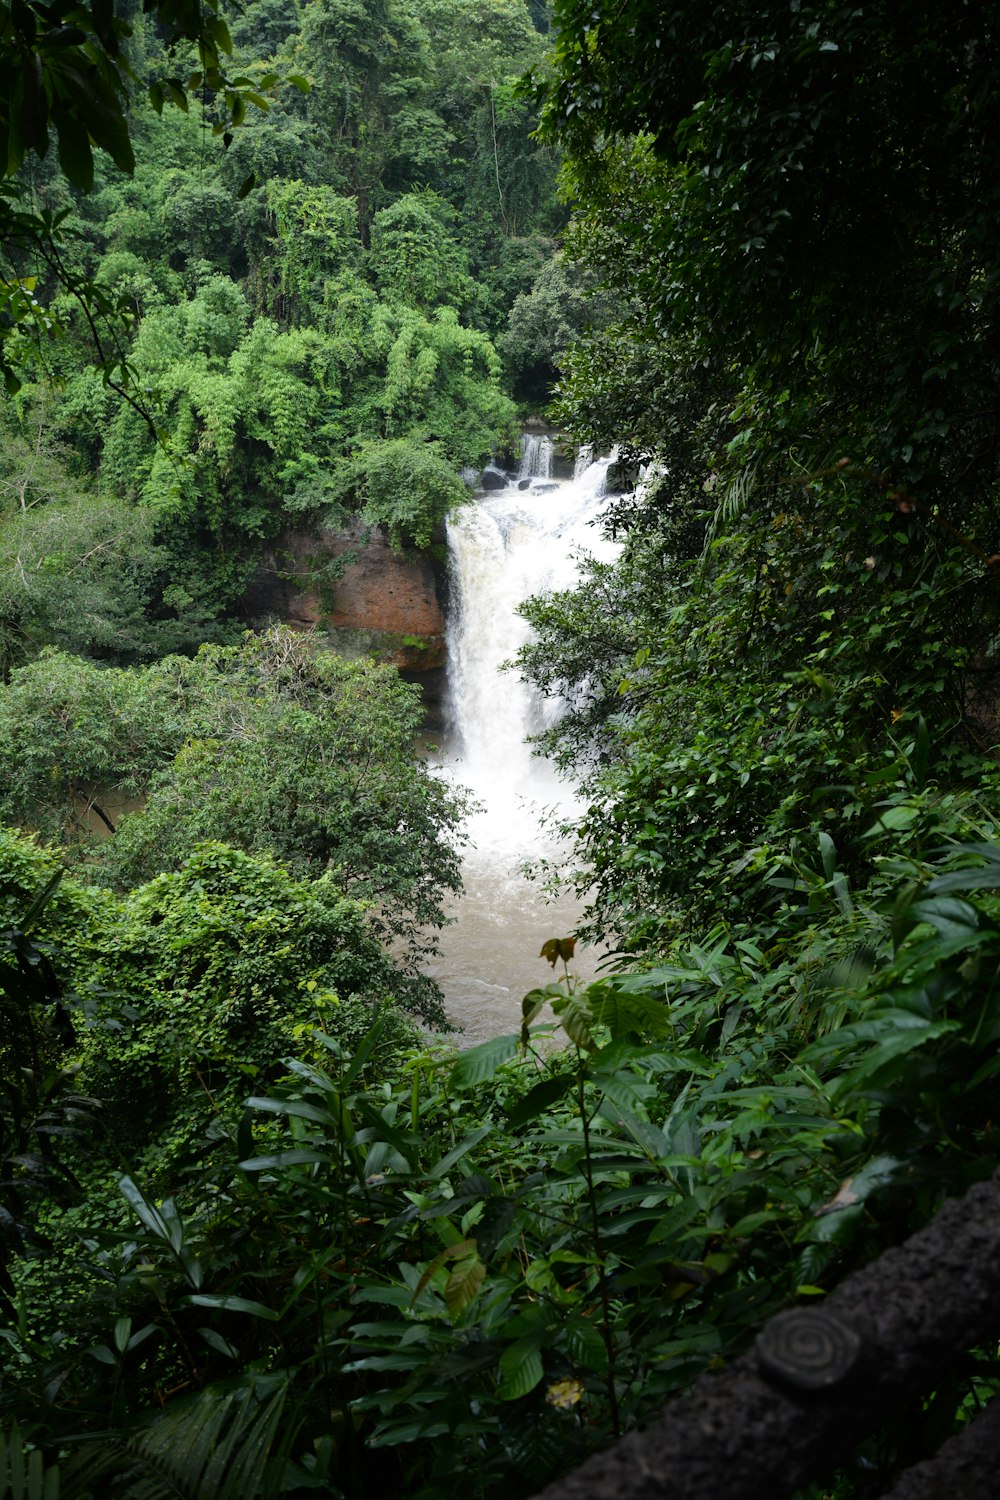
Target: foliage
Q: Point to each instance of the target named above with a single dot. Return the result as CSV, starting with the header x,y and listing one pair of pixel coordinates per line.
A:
x,y
886,111
407,489
319,244
782,694
806,575
486,1264
271,301
425,1270
544,322
65,69
272,746
74,733
417,261
817,711
221,967
42,1110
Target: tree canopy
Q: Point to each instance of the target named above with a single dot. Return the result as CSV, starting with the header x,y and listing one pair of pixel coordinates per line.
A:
x,y
275,274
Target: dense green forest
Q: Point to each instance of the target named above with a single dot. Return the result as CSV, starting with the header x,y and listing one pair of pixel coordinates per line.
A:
x,y
261,1232
304,324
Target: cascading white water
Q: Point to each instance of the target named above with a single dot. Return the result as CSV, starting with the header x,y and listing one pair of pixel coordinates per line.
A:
x,y
525,539
536,456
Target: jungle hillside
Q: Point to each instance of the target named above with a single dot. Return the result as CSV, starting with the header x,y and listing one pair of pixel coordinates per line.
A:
x,y
290,267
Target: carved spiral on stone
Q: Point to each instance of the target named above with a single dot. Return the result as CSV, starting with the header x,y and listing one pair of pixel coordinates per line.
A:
x,y
808,1349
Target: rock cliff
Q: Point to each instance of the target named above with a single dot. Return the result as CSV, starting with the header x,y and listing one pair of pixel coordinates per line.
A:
x,y
368,599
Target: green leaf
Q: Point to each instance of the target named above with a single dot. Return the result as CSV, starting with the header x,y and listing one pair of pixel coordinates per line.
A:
x,y
540,1098
622,1013
984,876
146,1212
951,919
460,1250
227,1303
75,155
921,754
463,1284
828,854
533,1003
446,1163
896,819
481,1063
574,1016
296,1108
520,1369
277,1159
585,1345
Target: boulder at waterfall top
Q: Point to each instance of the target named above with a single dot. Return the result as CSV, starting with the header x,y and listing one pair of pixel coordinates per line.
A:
x,y
381,604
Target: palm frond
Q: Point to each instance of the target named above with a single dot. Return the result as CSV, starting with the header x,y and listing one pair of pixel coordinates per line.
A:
x,y
735,492
217,1446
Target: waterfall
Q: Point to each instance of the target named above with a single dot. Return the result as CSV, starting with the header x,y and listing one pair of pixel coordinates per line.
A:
x,y
511,544
507,545
536,456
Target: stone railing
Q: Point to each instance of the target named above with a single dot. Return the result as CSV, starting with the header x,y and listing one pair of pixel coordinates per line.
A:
x,y
822,1379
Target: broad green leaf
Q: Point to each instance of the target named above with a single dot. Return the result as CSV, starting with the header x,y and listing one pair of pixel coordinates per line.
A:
x,y
481,1063
278,1159
585,1344
520,1369
980,877
574,1016
463,1284
623,1012
540,1098
297,1108
895,819
460,1249
951,918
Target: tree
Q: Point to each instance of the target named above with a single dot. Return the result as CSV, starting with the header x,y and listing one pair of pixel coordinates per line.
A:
x,y
64,68
788,203
318,245
405,486
273,746
415,257
822,218
205,979
545,322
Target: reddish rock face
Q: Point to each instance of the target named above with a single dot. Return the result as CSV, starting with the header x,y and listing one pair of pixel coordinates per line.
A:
x,y
388,595
381,605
